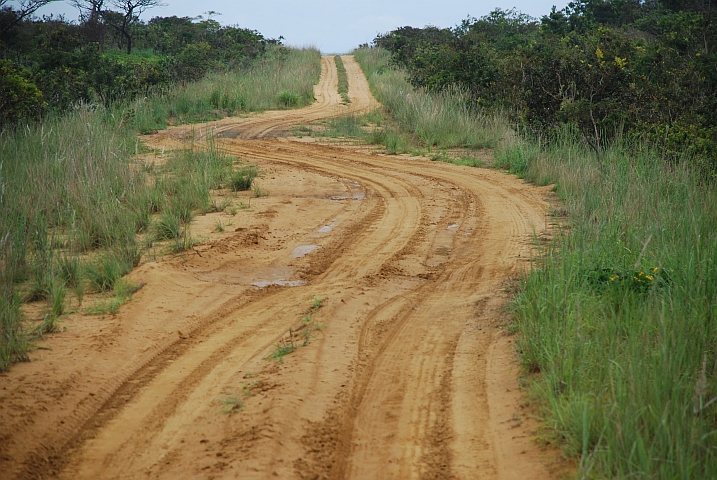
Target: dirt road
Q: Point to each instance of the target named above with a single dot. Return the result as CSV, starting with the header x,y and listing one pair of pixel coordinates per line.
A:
x,y
386,274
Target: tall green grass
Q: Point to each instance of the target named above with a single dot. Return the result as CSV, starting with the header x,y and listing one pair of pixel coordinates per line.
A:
x,y
283,73
69,185
620,315
64,184
442,120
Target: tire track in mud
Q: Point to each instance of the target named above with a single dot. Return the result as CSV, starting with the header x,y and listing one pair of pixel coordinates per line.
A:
x,y
383,233
50,455
436,453
395,387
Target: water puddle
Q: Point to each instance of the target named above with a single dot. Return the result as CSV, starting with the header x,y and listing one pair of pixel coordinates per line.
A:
x,y
328,228
453,227
303,250
280,283
357,197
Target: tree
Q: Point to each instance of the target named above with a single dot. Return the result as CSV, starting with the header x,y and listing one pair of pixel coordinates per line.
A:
x,y
131,10
122,20
11,16
91,17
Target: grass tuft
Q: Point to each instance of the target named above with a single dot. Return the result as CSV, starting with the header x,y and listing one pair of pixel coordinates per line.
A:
x,y
280,350
70,270
168,226
104,272
123,291
231,404
242,179
288,99
56,296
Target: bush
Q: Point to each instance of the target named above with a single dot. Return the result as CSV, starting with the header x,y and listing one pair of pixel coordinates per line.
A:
x,y
19,96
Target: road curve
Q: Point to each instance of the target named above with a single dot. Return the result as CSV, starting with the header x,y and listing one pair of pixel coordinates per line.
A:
x,y
404,373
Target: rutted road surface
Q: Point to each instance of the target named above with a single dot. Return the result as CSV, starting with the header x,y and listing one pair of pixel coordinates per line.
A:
x,y
405,371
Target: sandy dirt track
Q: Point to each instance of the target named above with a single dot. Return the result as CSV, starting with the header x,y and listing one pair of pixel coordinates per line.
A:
x,y
410,374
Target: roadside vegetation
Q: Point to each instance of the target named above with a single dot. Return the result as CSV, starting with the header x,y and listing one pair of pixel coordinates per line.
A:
x,y
281,78
79,208
616,320
440,119
52,65
343,79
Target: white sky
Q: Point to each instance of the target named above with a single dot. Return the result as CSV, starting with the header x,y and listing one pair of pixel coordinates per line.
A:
x,y
333,27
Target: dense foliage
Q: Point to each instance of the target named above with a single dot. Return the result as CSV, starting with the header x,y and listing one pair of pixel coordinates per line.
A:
x,y
613,68
53,64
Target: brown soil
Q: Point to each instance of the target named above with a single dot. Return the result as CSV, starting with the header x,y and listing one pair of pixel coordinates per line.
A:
x,y
406,371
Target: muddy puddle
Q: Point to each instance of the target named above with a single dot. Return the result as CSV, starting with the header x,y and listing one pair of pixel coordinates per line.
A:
x,y
280,283
358,197
328,228
303,250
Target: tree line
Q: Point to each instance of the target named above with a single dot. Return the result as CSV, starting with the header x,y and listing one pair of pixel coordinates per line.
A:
x,y
644,70
108,54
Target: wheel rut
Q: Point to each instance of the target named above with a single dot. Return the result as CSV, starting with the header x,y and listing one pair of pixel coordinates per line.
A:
x,y
394,381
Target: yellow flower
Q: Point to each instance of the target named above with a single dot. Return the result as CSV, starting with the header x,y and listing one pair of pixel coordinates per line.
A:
x,y
650,277
654,270
598,53
613,278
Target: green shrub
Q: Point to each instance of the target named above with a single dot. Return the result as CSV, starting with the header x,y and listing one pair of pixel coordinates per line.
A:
x,y
19,96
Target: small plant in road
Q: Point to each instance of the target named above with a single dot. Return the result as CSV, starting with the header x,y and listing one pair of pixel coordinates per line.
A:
x,y
231,404
281,349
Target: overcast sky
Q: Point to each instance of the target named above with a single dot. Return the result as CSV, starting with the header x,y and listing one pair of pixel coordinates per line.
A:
x,y
333,27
